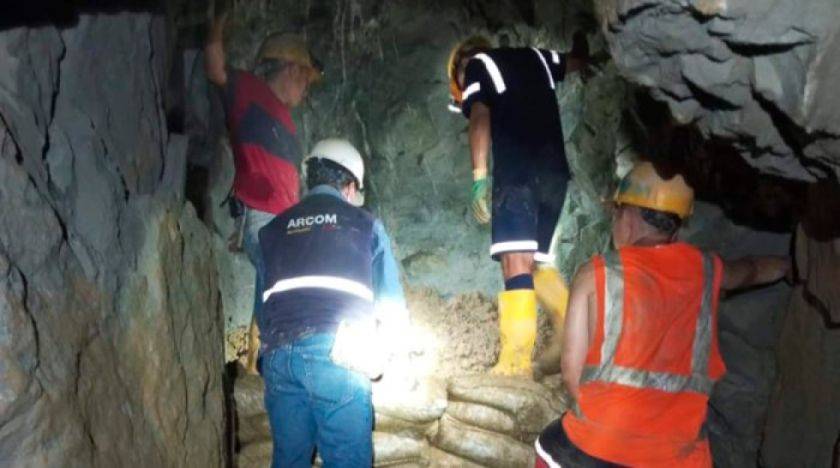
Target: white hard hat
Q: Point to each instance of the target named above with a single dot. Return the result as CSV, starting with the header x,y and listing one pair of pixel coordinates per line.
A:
x,y
341,152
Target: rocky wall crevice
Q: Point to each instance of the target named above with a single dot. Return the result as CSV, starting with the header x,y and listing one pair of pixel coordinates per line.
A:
x,y
110,323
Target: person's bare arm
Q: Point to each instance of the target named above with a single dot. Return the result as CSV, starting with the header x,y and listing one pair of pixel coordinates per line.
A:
x,y
753,271
479,136
214,52
578,58
576,332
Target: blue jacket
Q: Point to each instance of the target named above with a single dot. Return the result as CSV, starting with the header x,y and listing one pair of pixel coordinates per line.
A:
x,y
325,261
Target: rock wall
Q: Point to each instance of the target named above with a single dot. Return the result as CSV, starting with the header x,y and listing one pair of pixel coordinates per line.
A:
x,y
757,74
803,427
110,319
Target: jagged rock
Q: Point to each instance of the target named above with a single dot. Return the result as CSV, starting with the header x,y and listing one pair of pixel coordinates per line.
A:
x,y
759,74
111,352
484,447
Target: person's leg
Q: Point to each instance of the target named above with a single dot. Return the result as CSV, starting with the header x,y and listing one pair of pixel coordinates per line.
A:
x,y
254,221
289,415
550,286
341,402
514,243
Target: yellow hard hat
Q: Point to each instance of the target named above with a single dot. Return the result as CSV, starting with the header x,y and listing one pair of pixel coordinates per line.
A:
x,y
462,49
644,187
289,47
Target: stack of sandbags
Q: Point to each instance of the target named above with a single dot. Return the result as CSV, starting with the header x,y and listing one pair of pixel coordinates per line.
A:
x,y
407,414
469,422
406,417
493,421
253,436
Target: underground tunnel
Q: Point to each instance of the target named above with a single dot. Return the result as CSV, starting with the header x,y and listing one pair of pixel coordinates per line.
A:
x,y
125,309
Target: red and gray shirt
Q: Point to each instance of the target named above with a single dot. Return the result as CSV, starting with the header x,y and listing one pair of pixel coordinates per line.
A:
x,y
266,150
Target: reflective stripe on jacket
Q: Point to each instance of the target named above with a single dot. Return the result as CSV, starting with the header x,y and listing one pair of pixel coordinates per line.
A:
x,y
653,360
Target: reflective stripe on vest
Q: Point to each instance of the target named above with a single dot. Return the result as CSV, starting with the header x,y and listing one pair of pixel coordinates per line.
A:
x,y
334,283
698,381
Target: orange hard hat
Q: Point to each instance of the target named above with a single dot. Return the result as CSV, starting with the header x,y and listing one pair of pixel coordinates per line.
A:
x,y
644,187
463,49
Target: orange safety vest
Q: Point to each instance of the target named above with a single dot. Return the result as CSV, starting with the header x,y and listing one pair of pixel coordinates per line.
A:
x,y
653,360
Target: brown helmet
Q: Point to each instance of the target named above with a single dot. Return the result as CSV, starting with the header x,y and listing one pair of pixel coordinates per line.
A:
x,y
289,47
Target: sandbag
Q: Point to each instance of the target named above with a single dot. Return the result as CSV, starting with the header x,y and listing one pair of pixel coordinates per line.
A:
x,y
422,403
256,455
483,417
487,448
390,450
440,459
248,391
532,405
253,429
404,428
418,464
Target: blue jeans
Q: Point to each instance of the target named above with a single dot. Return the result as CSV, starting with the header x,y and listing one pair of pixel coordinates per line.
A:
x,y
254,221
313,402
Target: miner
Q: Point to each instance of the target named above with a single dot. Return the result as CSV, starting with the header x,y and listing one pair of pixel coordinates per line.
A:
x,y
640,346
508,95
266,150
331,303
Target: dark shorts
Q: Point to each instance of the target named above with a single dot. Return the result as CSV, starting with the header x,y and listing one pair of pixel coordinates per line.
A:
x,y
526,209
554,449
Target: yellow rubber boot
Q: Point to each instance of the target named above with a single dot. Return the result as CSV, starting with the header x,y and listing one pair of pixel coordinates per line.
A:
x,y
517,332
553,295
